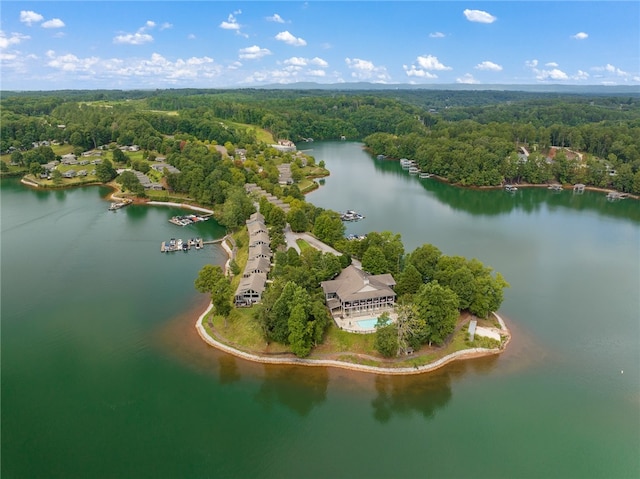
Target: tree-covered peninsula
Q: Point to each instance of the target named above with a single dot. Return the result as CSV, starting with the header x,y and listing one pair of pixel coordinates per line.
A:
x,y
234,152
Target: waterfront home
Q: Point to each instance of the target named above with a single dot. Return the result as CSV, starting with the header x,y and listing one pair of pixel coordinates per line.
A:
x,y
356,293
160,167
69,174
259,238
250,289
255,228
256,265
69,159
259,251
285,146
256,217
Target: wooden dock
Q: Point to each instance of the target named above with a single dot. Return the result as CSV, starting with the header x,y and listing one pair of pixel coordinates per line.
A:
x,y
179,245
198,243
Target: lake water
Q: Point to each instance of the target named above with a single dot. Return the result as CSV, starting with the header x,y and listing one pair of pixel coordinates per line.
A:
x,y
103,374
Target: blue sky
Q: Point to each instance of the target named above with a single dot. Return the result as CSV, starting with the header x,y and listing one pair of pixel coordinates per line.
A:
x,y
161,44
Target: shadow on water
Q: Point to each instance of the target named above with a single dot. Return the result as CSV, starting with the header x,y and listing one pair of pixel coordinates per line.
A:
x,y
293,387
136,212
407,394
491,202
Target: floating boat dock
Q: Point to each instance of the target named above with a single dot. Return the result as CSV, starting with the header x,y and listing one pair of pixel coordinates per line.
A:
x,y
120,204
186,220
179,245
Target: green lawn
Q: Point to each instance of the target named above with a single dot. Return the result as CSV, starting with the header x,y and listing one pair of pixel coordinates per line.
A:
x,y
303,245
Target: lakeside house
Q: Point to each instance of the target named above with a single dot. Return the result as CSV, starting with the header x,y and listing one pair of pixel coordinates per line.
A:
x,y
250,289
252,188
285,146
356,293
254,277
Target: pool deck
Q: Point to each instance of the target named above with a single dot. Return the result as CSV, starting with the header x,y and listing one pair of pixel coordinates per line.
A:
x,y
351,323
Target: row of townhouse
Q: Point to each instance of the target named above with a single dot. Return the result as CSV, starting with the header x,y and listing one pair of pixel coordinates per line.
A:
x,y
254,278
274,200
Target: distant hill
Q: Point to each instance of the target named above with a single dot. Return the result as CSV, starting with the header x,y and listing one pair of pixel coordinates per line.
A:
x,y
534,88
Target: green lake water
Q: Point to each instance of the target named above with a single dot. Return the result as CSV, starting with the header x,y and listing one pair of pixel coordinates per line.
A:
x,y
103,374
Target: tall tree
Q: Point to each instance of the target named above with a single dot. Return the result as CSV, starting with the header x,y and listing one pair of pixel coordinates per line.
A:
x,y
211,279
438,307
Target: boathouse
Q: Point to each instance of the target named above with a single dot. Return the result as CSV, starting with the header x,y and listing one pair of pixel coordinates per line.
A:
x,y
356,293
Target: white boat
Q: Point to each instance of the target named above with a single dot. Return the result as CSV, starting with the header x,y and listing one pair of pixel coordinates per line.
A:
x,y
351,215
414,170
425,175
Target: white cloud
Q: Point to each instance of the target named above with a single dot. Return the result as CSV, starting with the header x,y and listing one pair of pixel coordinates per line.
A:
x,y
437,35
467,79
430,62
609,68
53,23
581,75
191,36
275,18
289,39
580,36
231,23
146,70
29,16
487,65
12,39
412,71
298,61
70,62
366,70
302,62
137,38
166,25
479,16
553,74
317,73
319,62
254,52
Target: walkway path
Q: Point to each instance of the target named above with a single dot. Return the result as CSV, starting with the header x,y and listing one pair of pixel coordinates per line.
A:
x,y
291,237
292,360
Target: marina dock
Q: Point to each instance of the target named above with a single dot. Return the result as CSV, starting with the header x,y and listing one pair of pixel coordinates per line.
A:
x,y
185,245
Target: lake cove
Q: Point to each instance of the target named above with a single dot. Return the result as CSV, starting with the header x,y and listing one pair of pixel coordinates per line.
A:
x,y
104,375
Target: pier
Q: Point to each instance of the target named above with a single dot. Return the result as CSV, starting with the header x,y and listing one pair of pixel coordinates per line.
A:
x,y
180,245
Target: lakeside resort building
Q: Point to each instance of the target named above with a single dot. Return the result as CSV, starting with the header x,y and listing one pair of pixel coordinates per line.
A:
x,y
355,293
254,277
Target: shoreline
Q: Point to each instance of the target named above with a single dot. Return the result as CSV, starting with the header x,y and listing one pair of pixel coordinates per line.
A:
x,y
401,371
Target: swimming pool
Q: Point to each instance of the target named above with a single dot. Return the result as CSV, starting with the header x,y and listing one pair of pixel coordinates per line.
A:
x,y
369,323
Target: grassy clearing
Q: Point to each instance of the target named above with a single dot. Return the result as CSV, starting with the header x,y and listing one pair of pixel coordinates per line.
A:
x,y
242,330
307,185
303,245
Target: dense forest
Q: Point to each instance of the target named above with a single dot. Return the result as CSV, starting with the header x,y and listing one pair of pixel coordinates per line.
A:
x,y
466,137
221,140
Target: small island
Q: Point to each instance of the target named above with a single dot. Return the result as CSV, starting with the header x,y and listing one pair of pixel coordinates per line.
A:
x,y
326,307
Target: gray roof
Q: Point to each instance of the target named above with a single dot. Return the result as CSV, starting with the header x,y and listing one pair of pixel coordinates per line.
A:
x,y
259,250
259,217
256,282
260,237
255,228
353,284
258,264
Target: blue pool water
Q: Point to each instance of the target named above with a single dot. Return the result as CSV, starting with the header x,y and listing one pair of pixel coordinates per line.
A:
x,y
367,323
